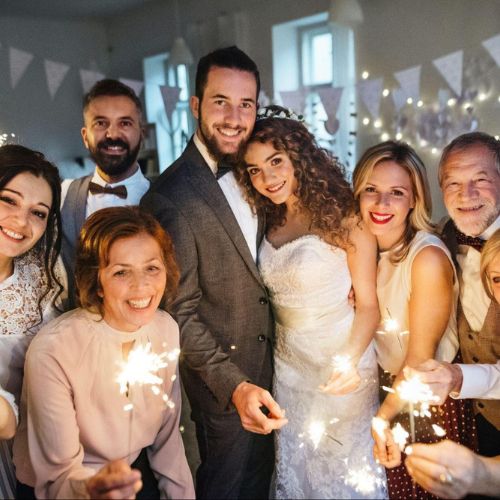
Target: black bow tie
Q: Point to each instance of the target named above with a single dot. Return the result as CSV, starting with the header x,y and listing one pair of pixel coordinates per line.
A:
x,y
222,169
471,241
120,191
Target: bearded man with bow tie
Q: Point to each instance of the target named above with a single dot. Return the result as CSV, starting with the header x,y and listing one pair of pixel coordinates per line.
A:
x,y
113,133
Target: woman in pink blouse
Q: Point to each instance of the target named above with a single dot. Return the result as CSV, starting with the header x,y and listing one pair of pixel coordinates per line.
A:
x,y
88,429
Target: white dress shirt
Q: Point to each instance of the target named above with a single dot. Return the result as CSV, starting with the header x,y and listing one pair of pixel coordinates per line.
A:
x,y
480,381
473,299
233,192
136,185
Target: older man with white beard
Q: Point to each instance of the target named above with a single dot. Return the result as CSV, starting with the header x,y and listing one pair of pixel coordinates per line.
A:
x,y
469,176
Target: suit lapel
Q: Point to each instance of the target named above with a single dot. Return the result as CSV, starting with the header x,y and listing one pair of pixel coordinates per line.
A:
x,y
203,181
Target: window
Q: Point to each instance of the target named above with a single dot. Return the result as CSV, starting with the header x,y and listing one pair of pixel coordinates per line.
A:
x,y
172,133
309,54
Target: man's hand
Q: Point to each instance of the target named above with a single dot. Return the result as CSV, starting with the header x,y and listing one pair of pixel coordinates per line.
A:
x,y
248,399
115,480
441,377
446,469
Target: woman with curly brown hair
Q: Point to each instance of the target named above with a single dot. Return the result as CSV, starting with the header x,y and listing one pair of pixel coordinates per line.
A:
x,y
315,249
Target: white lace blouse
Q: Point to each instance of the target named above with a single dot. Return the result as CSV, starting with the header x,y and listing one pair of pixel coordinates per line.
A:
x,y
20,319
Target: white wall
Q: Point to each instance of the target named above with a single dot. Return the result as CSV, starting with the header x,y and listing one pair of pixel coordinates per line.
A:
x,y
52,127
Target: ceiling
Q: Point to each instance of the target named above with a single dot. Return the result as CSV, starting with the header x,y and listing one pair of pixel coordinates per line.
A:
x,y
68,9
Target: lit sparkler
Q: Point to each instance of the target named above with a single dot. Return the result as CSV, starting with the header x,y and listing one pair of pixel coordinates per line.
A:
x,y
415,392
342,363
379,425
391,325
364,480
438,430
400,435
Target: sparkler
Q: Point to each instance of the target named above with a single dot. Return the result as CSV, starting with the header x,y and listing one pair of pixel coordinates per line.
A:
x,y
391,325
141,368
415,392
316,430
342,363
364,480
400,435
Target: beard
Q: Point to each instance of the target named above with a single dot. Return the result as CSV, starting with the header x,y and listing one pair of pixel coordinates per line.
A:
x,y
215,148
114,165
476,224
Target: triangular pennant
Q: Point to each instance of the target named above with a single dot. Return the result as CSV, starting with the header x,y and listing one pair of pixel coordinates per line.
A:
x,y
89,78
409,80
135,85
450,67
293,99
330,98
492,45
55,73
371,94
399,98
170,98
19,62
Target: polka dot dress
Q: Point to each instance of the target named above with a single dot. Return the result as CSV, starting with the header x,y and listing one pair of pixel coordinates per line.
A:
x,y
455,417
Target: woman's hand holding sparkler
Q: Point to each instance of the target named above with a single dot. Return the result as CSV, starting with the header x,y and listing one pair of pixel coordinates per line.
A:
x,y
386,449
115,480
345,377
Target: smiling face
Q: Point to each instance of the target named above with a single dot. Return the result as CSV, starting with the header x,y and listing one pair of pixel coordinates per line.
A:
x,y
471,189
271,173
493,277
226,113
385,202
25,203
112,134
133,282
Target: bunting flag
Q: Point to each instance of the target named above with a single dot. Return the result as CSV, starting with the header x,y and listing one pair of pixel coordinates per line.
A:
x,y
170,97
330,98
55,73
492,45
19,62
370,92
399,98
135,85
409,80
294,99
450,67
89,78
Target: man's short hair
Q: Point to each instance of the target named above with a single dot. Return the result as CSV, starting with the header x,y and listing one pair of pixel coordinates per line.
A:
x,y
466,140
228,57
111,88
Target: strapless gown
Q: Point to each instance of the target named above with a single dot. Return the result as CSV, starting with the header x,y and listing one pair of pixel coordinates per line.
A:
x,y
325,450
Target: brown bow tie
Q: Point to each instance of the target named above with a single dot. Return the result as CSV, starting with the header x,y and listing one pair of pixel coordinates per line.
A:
x,y
120,191
471,241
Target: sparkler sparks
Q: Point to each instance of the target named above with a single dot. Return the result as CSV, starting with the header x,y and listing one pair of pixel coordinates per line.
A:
x,y
400,436
379,425
316,431
438,430
342,363
364,479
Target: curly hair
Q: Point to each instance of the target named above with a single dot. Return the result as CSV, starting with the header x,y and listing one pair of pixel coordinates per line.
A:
x,y
100,231
323,191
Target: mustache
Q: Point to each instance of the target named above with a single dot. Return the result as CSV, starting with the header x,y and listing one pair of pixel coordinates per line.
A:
x,y
113,142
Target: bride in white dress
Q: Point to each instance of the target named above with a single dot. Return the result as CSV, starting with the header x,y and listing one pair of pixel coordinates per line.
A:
x,y
325,368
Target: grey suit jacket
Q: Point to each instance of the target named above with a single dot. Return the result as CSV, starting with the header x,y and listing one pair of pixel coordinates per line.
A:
x,y
222,308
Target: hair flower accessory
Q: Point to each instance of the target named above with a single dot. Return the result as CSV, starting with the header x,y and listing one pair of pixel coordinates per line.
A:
x,y
275,111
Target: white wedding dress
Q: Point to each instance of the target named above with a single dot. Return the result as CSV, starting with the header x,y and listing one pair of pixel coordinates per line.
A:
x,y
325,450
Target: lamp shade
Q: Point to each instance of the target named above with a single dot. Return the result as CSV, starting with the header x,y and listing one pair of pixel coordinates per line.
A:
x,y
345,12
180,53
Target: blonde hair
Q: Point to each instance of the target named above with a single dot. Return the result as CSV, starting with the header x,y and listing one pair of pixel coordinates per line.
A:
x,y
419,218
490,250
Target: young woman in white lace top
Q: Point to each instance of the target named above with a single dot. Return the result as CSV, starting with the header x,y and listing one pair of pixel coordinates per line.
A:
x,y
29,247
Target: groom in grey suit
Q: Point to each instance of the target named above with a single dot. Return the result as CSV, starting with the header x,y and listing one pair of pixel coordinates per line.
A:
x,y
222,307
